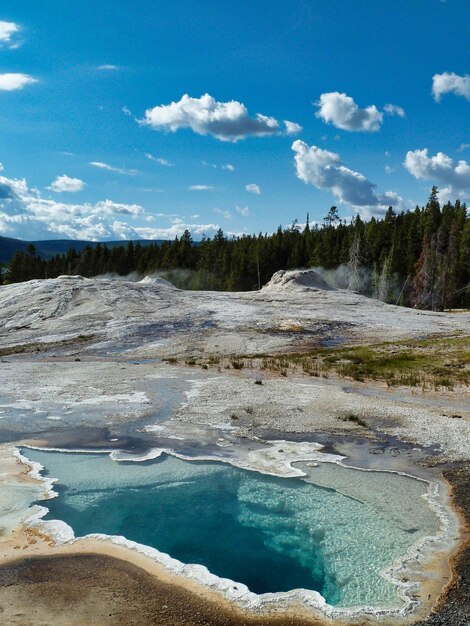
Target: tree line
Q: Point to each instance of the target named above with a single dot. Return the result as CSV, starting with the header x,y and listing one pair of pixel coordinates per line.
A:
x,y
415,258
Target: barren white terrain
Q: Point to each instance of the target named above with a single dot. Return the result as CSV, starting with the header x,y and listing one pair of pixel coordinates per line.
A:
x,y
101,364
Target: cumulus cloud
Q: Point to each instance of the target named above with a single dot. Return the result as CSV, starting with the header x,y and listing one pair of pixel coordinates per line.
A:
x,y
110,168
227,121
448,82
200,187
341,111
253,188
292,128
25,213
228,166
159,160
325,170
454,175
394,109
65,183
108,207
8,30
15,81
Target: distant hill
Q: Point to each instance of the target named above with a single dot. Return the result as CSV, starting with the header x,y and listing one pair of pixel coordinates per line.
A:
x,y
49,248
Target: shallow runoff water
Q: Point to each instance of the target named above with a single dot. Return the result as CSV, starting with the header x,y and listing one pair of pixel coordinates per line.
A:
x,y
334,532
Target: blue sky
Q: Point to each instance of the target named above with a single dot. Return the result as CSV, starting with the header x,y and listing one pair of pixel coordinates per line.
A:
x,y
140,119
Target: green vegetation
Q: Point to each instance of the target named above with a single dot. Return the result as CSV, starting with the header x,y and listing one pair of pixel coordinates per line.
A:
x,y
438,362
429,364
416,258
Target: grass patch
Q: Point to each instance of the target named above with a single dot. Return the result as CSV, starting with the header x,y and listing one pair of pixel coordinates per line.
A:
x,y
435,363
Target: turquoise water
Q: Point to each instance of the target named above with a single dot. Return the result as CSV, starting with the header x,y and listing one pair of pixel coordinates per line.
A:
x,y
271,534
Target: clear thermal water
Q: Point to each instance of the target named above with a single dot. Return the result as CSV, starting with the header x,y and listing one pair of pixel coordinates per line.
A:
x,y
334,532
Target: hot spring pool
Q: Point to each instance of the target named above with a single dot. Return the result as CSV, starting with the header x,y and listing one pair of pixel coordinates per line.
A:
x,y
335,532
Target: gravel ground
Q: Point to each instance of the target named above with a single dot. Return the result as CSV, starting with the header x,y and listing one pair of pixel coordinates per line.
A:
x,y
454,607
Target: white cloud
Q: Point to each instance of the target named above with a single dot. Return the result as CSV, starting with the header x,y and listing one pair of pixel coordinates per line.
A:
x,y
244,211
394,109
455,175
325,170
200,187
226,166
108,207
13,82
107,67
176,230
341,111
292,128
223,212
253,188
448,82
227,121
7,32
26,214
126,111
1,167
110,168
388,169
65,183
159,160
463,147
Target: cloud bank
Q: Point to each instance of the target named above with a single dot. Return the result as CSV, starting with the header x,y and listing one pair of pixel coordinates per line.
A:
x,y
448,82
325,170
226,121
454,175
25,214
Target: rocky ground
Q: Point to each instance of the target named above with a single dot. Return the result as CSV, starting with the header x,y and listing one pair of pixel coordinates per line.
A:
x,y
90,364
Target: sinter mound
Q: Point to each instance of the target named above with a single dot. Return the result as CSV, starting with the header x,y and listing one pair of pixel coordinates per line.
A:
x,y
297,279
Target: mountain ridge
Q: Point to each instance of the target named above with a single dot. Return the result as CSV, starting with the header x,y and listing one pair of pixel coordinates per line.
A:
x,y
50,247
